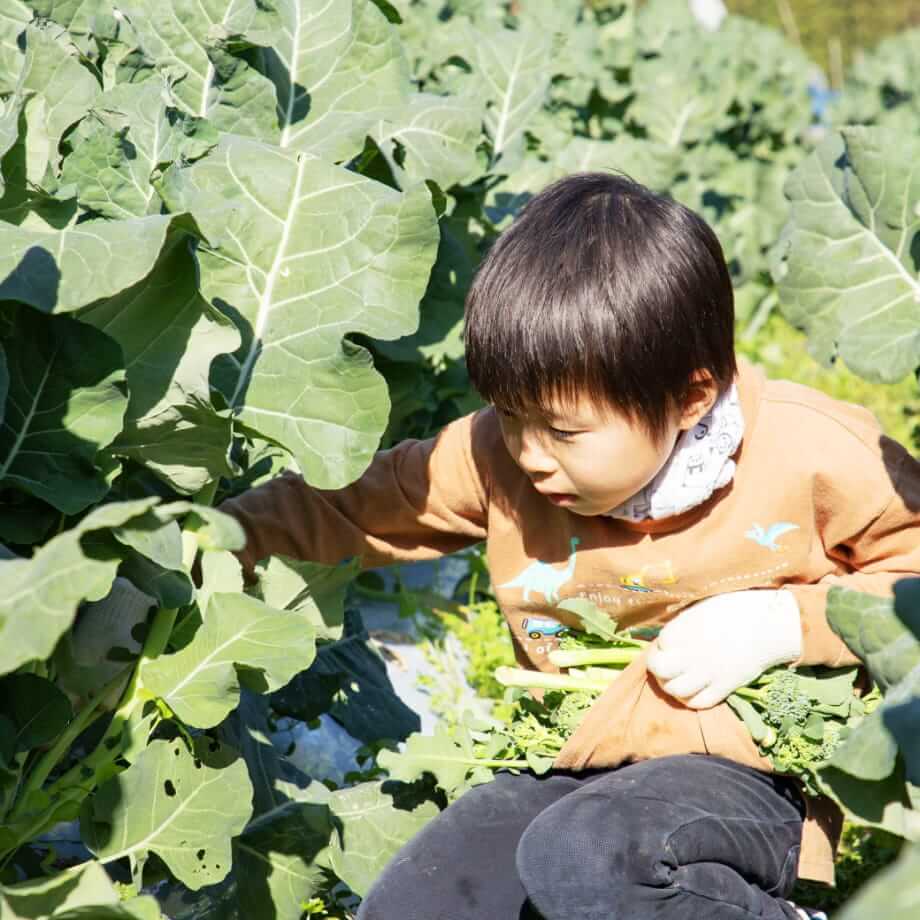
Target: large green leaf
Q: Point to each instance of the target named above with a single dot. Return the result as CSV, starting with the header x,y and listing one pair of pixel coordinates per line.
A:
x,y
301,253
191,40
35,707
14,17
678,99
650,163
901,714
335,65
887,804
349,680
274,859
169,336
71,14
315,591
872,630
241,640
39,596
892,894
133,132
66,401
57,271
212,529
187,446
869,752
63,91
511,77
185,807
431,137
85,891
9,128
448,755
372,830
881,85
850,278
439,334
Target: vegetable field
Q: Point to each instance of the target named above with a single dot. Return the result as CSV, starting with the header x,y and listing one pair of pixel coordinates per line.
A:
x,y
235,238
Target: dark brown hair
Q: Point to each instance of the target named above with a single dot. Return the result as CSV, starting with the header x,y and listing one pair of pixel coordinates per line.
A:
x,y
601,288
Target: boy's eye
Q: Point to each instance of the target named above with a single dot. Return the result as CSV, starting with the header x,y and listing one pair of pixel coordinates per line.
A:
x,y
560,435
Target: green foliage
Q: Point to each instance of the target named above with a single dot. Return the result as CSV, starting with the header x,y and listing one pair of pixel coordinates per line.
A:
x,y
875,774
893,892
881,87
184,183
849,269
783,353
484,635
85,891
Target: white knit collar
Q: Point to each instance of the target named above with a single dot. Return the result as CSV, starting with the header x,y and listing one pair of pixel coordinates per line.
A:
x,y
699,465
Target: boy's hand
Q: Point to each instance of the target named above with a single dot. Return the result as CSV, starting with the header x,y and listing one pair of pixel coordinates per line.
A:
x,y
719,644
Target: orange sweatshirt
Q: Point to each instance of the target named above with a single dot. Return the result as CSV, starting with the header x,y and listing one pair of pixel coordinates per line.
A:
x,y
848,495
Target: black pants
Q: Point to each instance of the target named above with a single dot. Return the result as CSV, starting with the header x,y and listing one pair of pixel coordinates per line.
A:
x,y
691,837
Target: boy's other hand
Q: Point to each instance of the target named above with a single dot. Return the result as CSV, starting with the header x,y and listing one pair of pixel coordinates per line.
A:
x,y
719,644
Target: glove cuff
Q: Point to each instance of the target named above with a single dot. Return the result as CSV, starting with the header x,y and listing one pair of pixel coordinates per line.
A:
x,y
787,625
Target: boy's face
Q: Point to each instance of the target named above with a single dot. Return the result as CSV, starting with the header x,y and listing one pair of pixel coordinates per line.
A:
x,y
588,458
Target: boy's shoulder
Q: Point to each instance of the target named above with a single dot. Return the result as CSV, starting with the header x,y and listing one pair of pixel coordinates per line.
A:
x,y
805,415
841,445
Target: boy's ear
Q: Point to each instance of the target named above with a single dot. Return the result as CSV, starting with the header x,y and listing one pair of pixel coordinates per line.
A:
x,y
701,397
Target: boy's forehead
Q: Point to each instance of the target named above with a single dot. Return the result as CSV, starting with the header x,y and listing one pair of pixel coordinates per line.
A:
x,y
575,406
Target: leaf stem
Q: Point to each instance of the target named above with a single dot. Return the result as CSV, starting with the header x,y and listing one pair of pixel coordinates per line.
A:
x,y
107,751
49,760
205,496
579,657
750,693
521,677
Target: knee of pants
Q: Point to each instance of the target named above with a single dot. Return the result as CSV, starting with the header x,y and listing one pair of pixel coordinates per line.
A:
x,y
588,845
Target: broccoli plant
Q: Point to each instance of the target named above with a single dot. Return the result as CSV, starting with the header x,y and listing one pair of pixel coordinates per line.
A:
x,y
797,717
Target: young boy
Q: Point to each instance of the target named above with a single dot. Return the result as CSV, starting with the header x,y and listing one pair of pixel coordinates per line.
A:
x,y
626,458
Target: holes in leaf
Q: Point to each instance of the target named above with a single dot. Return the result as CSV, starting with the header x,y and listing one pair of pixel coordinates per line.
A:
x,y
170,788
197,764
199,855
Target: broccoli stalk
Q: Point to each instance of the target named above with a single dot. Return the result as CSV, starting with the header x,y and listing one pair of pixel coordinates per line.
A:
x,y
579,657
539,680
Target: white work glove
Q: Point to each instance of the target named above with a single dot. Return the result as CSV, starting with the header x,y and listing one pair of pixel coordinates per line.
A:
x,y
719,644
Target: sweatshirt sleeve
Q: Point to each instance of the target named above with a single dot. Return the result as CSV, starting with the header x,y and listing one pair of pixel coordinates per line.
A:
x,y
418,500
883,550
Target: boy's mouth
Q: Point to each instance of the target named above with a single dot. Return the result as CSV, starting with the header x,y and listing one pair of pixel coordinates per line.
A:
x,y
561,498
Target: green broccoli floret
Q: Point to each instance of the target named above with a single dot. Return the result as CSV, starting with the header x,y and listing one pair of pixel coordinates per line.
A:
x,y
784,703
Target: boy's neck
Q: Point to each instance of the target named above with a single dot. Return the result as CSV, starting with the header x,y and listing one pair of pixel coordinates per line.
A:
x,y
702,464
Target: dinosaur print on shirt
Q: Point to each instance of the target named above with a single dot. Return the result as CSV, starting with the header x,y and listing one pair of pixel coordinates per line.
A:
x,y
768,537
544,578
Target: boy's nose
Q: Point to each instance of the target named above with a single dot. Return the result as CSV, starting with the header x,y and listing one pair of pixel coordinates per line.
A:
x,y
532,457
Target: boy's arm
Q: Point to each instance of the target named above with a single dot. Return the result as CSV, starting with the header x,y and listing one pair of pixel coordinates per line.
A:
x,y
881,550
418,500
